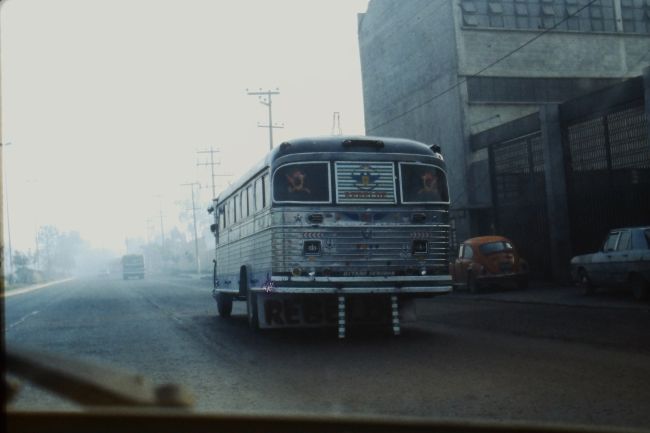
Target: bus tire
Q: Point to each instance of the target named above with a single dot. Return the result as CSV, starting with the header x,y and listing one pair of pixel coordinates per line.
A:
x,y
251,299
224,304
215,280
251,310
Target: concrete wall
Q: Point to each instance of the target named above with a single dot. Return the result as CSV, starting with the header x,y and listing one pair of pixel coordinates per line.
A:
x,y
408,57
556,54
415,52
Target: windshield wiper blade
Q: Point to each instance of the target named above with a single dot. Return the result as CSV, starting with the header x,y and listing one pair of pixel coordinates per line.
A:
x,y
91,385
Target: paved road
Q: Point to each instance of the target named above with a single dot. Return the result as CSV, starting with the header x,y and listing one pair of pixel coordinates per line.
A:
x,y
488,357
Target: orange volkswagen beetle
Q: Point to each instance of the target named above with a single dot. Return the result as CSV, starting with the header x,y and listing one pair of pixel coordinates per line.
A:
x,y
488,260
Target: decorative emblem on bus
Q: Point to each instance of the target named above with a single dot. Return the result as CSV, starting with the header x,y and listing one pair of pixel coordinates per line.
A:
x,y
366,177
268,285
296,181
430,186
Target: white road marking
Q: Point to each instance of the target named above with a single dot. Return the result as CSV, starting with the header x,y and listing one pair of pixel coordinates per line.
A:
x,y
21,320
32,288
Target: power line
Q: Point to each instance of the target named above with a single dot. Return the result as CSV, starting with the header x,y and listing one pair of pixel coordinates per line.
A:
x,y
212,164
264,96
476,74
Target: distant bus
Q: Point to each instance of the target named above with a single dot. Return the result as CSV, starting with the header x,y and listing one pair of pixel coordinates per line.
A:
x,y
133,266
333,231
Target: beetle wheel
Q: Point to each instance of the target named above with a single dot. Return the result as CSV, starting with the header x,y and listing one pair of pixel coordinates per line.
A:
x,y
472,284
522,283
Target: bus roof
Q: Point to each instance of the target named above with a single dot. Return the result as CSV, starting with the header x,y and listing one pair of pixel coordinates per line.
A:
x,y
330,144
350,144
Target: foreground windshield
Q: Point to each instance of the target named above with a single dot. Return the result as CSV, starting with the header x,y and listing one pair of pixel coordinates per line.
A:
x,y
294,207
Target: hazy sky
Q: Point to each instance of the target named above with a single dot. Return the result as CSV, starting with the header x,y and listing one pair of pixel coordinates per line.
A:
x,y
106,103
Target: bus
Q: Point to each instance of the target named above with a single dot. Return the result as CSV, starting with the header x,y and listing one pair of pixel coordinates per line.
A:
x,y
333,231
133,266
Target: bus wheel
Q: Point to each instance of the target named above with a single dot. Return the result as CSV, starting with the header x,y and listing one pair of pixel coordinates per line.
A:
x,y
214,274
251,309
224,304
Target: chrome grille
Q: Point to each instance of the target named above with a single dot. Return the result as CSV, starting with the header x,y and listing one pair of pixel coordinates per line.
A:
x,y
374,250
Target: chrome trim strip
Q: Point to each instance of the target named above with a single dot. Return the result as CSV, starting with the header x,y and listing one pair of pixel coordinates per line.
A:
x,y
355,290
389,278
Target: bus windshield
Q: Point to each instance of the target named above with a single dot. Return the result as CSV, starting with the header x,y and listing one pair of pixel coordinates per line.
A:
x,y
359,183
304,182
423,183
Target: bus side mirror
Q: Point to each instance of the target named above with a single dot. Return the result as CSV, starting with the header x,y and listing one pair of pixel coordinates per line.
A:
x,y
211,209
213,228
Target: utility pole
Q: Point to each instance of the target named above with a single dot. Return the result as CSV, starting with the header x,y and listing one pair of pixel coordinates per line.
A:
x,y
149,226
265,99
336,124
211,164
162,228
196,234
6,185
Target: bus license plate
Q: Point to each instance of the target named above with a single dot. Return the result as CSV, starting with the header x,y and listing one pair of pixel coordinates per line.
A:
x,y
283,311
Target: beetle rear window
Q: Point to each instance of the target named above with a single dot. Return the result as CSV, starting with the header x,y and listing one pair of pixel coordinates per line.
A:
x,y
495,247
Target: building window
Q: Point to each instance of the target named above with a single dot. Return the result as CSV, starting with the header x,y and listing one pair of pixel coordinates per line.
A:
x,y
470,20
573,21
468,6
636,16
548,13
495,14
469,13
521,9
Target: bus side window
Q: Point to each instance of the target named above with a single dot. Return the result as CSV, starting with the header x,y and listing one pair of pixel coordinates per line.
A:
x,y
222,217
234,210
259,195
249,200
267,192
242,206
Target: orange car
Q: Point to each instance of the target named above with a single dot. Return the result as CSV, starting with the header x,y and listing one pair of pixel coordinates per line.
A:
x,y
488,260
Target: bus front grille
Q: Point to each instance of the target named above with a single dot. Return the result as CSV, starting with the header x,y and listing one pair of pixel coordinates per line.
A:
x,y
361,251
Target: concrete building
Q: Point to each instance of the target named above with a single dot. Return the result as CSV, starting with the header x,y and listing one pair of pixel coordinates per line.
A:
x,y
441,71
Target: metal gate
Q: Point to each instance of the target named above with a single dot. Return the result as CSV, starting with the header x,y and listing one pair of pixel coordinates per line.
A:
x,y
519,194
608,173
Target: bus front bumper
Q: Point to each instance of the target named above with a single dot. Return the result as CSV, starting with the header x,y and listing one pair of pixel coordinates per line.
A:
x,y
426,285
